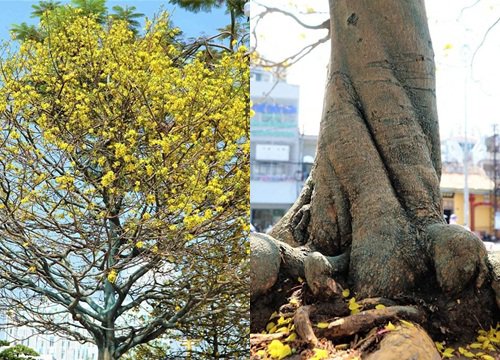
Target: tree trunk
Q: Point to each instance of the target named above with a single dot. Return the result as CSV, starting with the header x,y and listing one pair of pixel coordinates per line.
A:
x,y
374,189
106,346
105,354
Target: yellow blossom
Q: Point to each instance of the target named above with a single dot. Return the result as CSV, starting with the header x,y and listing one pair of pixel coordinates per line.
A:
x,y
108,178
112,276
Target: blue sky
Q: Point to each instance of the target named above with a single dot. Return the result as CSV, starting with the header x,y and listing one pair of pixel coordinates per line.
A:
x,y
192,24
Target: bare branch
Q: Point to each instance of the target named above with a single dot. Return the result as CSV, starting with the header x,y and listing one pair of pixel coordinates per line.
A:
x,y
483,40
270,10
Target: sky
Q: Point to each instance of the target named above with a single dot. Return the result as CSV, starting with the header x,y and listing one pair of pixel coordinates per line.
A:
x,y
467,95
193,25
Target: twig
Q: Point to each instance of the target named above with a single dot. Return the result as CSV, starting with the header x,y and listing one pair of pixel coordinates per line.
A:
x,y
482,42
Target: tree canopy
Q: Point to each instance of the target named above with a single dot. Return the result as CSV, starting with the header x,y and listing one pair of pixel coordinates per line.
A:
x,y
124,182
15,352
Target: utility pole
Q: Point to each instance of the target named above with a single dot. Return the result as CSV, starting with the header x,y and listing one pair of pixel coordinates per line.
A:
x,y
466,153
495,180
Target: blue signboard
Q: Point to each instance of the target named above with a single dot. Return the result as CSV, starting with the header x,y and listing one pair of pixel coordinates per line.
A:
x,y
265,108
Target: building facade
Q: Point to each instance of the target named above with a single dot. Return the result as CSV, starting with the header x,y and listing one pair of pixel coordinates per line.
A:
x,y
49,346
480,203
275,171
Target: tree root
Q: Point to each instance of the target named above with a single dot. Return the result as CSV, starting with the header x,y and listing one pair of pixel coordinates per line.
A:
x,y
303,325
319,272
270,257
368,319
363,344
494,260
256,339
449,243
352,324
370,303
408,342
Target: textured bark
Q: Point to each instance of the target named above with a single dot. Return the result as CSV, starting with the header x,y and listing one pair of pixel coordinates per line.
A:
x,y
106,346
409,342
368,319
105,354
494,260
375,183
374,190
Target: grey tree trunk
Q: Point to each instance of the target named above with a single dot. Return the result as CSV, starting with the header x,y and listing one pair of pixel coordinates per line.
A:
x,y
374,189
105,354
106,346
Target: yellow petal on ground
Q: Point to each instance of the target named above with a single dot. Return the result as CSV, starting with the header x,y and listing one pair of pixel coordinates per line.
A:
x,y
448,352
277,350
379,306
439,346
475,346
294,302
283,321
283,329
319,354
354,306
346,293
465,352
407,323
322,325
390,327
274,315
487,357
261,353
270,325
273,329
291,337
486,343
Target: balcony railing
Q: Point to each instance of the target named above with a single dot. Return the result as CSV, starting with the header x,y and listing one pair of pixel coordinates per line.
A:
x,y
274,171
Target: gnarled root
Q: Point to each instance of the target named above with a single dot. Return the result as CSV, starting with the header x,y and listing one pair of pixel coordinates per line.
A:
x,y
368,319
459,257
494,260
352,324
409,342
303,325
319,272
268,258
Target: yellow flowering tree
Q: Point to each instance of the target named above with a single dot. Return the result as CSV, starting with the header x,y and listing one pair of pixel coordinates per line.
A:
x,y
123,182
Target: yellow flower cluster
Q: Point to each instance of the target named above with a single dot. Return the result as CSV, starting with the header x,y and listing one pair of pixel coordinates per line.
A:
x,y
114,118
